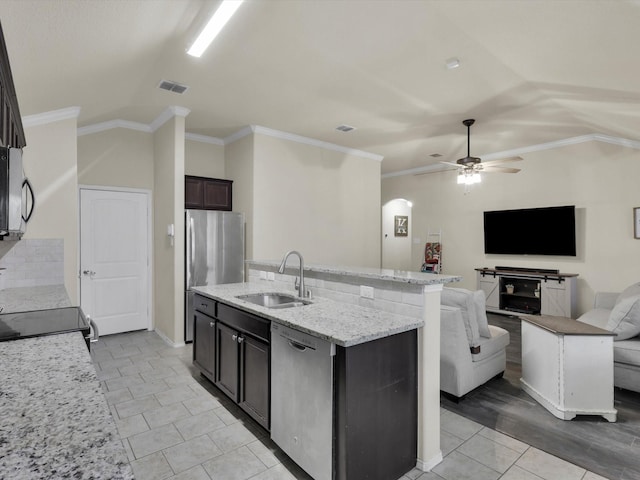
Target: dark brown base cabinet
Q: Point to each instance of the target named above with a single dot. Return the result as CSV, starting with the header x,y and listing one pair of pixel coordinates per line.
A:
x,y
204,346
232,350
376,408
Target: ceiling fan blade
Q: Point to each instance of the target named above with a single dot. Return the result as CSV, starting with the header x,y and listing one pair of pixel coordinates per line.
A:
x,y
492,169
457,165
501,160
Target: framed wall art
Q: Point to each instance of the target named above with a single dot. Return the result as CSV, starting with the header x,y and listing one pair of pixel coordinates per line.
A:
x,y
401,225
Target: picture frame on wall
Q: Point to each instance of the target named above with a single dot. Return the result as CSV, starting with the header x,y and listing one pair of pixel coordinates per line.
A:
x,y
401,225
636,222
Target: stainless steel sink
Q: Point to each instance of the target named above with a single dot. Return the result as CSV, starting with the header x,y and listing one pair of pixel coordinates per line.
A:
x,y
274,300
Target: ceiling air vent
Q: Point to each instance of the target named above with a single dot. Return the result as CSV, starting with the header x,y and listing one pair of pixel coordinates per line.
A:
x,y
435,155
345,128
172,86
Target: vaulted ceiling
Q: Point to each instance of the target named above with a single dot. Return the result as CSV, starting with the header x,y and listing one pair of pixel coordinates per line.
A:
x,y
531,71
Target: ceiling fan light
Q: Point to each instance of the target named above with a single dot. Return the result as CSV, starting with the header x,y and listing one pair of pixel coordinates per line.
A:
x,y
476,178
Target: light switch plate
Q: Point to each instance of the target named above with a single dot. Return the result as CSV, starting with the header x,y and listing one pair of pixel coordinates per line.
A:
x,y
366,292
263,275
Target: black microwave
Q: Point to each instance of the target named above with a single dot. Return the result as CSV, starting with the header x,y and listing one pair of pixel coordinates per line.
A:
x,y
16,195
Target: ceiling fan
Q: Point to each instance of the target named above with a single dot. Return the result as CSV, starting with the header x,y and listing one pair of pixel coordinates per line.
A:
x,y
469,167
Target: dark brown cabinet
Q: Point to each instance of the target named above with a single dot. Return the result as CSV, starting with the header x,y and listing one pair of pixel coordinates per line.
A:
x,y
11,129
204,347
254,375
232,349
204,335
227,350
207,193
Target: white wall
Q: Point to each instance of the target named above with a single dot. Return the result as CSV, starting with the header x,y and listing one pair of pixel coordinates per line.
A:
x,y
50,162
204,159
324,203
168,207
239,168
117,157
600,179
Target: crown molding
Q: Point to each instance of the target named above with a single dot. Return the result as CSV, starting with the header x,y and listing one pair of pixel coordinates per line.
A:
x,y
101,127
167,115
50,117
234,137
597,137
203,139
313,142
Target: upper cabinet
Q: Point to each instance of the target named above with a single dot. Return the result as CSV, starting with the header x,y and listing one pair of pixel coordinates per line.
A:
x,y
207,193
11,130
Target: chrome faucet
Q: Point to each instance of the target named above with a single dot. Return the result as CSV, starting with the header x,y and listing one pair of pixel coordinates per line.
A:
x,y
302,292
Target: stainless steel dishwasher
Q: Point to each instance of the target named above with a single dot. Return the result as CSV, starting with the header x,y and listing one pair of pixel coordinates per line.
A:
x,y
301,399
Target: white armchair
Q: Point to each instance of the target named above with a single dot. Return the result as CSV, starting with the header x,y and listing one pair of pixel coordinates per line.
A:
x,y
472,352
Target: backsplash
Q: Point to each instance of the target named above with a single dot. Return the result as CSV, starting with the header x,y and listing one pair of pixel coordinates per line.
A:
x,y
405,299
33,262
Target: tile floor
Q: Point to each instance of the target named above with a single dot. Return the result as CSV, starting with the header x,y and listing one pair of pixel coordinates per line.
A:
x,y
175,425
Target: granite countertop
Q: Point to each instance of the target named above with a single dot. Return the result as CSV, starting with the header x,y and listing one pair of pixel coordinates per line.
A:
x,y
55,419
343,324
398,276
25,299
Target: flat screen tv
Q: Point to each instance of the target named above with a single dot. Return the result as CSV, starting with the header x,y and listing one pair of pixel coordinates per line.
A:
x,y
531,231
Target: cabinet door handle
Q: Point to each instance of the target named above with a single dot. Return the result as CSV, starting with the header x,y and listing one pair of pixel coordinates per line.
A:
x,y
240,339
234,337
211,324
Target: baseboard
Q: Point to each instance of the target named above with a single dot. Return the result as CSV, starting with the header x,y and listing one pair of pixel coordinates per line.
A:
x,y
168,341
427,465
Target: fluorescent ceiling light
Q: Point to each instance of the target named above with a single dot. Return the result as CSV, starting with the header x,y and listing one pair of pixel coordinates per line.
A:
x,y
219,19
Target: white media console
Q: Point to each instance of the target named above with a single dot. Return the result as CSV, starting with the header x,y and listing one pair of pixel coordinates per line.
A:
x,y
530,291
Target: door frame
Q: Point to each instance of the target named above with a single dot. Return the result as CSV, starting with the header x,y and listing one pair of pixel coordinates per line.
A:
x,y
148,196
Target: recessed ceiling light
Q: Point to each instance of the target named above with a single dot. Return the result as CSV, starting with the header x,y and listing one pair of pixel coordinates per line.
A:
x,y
452,63
345,128
219,19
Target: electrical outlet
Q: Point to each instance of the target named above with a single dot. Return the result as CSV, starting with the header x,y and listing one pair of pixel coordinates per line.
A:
x,y
271,276
263,275
366,292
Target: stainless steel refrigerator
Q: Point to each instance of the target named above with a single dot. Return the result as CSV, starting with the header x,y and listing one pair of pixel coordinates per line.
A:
x,y
214,248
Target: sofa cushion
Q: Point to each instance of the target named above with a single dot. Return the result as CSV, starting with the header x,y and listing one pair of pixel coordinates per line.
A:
x,y
480,302
625,318
630,291
463,299
627,351
598,317
490,346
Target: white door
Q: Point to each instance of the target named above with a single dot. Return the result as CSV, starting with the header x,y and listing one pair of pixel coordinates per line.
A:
x,y
114,259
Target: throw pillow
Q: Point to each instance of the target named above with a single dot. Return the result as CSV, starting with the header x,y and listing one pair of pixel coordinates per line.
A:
x,y
630,291
480,300
625,318
463,299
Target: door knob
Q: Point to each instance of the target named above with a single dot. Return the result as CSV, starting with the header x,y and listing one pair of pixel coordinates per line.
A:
x,y
91,273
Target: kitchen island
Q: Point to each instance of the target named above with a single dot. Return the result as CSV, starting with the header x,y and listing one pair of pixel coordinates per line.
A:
x,y
362,305
54,418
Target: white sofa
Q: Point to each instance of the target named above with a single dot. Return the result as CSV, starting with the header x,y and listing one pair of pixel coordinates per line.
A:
x,y
620,313
472,352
